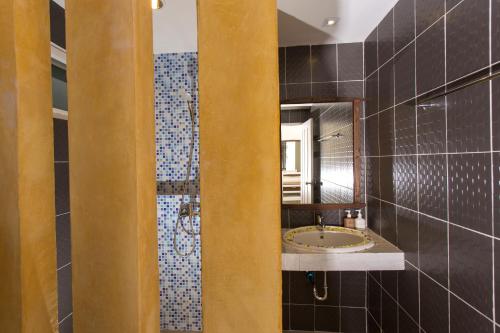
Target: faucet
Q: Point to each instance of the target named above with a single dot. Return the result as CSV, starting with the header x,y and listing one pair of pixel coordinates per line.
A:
x,y
187,210
319,221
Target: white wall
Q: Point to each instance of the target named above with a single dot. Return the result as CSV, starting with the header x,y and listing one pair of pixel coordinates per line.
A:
x,y
290,132
60,3
175,27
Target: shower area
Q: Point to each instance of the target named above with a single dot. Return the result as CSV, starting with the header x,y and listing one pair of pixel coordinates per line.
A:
x,y
178,189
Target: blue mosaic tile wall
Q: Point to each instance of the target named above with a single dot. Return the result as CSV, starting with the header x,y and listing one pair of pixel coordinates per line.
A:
x,y
180,277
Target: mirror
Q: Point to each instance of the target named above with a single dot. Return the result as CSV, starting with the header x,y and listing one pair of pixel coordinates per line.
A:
x,y
320,149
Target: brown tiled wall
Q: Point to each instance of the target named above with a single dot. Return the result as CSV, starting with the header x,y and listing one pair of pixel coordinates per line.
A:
x,y
63,228
57,25
433,168
343,311
61,168
321,70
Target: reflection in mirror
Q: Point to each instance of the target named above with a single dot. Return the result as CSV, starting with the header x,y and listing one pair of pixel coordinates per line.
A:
x,y
317,153
291,155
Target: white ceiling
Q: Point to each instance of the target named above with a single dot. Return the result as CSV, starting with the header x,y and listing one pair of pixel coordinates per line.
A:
x,y
302,22
60,3
174,26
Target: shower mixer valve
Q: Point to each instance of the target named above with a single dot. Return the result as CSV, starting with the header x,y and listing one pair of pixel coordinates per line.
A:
x,y
187,209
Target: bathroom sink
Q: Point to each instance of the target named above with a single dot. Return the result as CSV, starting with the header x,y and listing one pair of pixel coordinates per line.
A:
x,y
328,239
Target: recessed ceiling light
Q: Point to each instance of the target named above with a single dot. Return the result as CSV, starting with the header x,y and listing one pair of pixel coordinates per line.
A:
x,y
329,21
156,4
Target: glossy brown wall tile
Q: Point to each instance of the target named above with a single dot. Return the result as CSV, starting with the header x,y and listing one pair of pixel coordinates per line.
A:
x,y
346,298
57,25
404,68
431,58
467,38
495,30
441,158
28,291
63,226
350,61
329,70
404,23
371,52
323,63
386,38
427,13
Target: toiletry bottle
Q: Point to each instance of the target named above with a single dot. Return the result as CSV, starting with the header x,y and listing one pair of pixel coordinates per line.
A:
x,y
349,221
360,221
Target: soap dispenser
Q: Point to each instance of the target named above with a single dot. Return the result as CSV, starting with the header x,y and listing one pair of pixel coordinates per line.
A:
x,y
360,222
349,221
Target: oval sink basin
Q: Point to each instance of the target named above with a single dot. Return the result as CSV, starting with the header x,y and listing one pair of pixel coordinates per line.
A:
x,y
329,239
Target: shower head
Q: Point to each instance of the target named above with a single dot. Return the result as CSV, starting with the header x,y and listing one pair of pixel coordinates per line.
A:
x,y
185,95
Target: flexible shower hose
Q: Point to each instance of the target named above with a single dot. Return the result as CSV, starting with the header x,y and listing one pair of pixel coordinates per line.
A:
x,y
185,186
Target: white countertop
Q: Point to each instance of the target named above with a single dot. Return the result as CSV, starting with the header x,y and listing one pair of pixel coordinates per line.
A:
x,y
383,256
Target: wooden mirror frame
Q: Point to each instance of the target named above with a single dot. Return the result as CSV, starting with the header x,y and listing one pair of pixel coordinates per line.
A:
x,y
356,107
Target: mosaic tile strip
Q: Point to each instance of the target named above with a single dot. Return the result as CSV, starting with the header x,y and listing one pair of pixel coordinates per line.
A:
x,y
174,72
180,277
